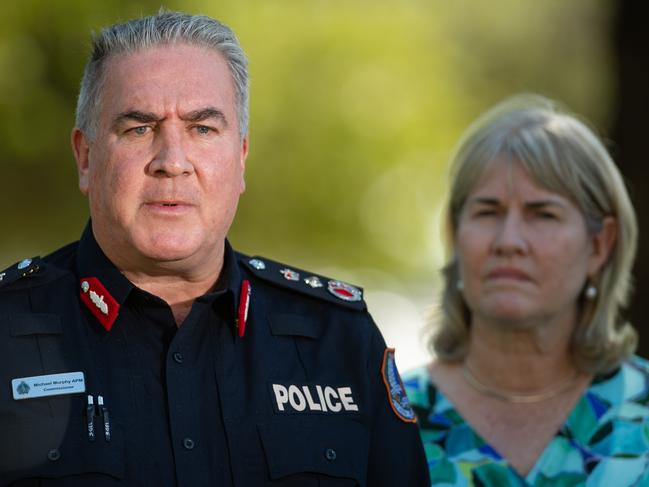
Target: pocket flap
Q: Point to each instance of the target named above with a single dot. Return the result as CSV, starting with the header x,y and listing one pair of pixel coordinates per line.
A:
x,y
34,324
332,446
295,325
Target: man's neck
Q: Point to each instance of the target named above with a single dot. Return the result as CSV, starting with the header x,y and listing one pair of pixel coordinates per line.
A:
x,y
179,293
178,283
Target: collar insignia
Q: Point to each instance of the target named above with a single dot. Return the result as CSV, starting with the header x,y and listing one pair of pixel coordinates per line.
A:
x,y
244,305
99,301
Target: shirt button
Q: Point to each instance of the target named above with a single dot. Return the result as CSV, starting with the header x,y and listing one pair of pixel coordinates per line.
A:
x,y
178,357
330,454
188,443
53,455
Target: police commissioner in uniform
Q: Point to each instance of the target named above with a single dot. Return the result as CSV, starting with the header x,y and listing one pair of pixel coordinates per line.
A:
x,y
270,376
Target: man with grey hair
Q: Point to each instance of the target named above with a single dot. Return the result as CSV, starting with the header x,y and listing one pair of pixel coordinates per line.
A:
x,y
150,352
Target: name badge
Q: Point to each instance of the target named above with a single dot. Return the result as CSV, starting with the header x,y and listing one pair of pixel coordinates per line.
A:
x,y
48,385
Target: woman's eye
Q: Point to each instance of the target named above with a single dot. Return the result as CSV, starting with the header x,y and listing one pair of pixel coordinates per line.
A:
x,y
484,213
545,215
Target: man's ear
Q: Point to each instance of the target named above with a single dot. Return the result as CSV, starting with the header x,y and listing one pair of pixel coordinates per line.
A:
x,y
243,155
81,149
603,244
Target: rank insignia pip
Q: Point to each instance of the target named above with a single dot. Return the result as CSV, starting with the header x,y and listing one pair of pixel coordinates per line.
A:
x,y
394,386
99,301
258,264
344,291
313,281
290,275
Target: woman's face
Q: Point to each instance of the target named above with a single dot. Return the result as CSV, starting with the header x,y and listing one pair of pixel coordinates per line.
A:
x,y
524,252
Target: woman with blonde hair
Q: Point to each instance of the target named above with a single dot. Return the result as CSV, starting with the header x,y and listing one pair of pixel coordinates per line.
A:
x,y
533,380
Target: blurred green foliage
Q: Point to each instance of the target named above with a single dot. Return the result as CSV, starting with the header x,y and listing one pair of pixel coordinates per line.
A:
x,y
355,108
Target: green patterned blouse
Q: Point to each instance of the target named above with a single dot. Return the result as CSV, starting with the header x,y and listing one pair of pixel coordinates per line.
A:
x,y
604,442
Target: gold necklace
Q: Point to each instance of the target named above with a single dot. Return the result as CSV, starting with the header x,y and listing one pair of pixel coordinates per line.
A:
x,y
518,398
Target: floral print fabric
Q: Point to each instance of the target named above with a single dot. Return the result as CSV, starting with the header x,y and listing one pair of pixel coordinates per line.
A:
x,y
604,441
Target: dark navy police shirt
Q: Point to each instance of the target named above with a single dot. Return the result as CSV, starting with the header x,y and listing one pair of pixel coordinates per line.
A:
x,y
298,400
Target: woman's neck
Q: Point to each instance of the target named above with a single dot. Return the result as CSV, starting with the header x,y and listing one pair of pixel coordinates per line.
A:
x,y
520,359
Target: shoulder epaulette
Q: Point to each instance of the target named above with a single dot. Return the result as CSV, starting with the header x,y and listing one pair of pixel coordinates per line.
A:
x,y
24,268
304,282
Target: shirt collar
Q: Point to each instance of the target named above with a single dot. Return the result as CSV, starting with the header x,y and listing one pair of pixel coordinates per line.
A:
x,y
92,262
229,281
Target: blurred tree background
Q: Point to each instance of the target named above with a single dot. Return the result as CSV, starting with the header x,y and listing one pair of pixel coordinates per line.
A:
x,y
355,108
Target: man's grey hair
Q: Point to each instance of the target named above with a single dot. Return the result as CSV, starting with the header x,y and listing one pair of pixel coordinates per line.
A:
x,y
162,29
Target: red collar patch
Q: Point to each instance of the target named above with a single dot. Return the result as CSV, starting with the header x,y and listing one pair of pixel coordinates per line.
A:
x,y
244,305
99,301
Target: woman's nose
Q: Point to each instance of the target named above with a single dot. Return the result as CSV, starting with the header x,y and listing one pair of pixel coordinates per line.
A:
x,y
510,237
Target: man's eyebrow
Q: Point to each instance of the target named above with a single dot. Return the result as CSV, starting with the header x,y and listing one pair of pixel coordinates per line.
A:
x,y
205,114
138,116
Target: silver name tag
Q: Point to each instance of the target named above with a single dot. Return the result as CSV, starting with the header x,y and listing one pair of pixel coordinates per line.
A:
x,y
48,385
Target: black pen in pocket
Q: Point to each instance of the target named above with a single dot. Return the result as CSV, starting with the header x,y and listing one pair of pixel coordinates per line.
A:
x,y
90,418
105,418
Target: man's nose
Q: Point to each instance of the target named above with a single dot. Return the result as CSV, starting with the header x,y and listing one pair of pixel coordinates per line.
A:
x,y
510,238
170,159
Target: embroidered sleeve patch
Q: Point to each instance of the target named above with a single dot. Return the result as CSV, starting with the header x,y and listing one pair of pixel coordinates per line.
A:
x,y
396,392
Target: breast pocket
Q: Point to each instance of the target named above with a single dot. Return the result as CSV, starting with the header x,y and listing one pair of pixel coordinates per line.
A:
x,y
34,344
57,452
315,451
31,347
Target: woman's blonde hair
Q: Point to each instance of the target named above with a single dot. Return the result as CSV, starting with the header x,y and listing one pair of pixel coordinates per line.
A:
x,y
562,154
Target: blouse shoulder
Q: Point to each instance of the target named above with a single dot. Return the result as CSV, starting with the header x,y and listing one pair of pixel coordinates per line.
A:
x,y
639,363
418,386
628,384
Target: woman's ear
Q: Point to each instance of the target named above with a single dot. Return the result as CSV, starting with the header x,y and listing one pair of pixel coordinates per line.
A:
x,y
603,244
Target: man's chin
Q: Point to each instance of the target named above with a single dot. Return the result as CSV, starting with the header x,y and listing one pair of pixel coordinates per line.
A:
x,y
168,254
167,248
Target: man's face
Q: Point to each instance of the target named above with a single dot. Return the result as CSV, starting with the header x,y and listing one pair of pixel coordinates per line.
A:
x,y
165,170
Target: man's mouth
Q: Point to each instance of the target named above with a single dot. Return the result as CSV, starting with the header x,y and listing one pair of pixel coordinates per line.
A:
x,y
168,205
